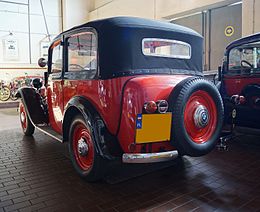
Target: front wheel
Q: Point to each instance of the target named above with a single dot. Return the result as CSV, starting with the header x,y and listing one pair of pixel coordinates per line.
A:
x,y
26,124
83,152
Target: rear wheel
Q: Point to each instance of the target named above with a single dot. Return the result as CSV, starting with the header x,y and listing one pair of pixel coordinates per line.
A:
x,y
197,116
26,124
83,152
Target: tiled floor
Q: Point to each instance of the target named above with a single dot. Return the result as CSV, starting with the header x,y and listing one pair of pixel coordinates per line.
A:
x,y
36,174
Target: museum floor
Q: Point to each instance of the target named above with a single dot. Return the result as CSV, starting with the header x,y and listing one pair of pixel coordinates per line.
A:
x,y
36,174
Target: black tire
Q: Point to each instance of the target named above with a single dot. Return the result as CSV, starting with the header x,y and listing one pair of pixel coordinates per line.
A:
x,y
26,124
181,136
97,168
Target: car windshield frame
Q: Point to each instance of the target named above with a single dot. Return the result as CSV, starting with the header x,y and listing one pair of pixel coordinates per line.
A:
x,y
243,54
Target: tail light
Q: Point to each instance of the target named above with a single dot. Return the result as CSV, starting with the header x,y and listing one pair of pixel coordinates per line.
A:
x,y
162,106
150,107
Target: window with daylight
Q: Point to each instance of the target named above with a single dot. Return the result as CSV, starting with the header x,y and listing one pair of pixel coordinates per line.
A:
x,y
166,48
82,53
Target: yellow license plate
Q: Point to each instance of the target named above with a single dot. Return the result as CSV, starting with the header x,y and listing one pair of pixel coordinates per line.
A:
x,y
153,127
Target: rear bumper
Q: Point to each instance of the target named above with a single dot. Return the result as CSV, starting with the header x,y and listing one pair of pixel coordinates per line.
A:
x,y
149,157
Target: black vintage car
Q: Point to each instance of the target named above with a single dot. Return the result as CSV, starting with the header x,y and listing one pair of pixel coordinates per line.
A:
x,y
240,84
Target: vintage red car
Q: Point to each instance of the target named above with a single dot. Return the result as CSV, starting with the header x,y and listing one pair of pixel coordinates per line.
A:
x,y
240,84
126,88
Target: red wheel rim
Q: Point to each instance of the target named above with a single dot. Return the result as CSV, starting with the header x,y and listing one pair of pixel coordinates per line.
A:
x,y
200,99
23,116
81,134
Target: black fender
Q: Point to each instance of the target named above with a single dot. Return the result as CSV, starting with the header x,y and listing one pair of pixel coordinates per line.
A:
x,y
105,143
251,90
32,103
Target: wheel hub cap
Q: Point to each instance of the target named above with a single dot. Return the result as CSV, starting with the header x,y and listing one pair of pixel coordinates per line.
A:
x,y
22,117
82,147
201,117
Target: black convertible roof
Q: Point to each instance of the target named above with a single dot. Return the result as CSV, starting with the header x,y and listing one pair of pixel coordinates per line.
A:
x,y
120,47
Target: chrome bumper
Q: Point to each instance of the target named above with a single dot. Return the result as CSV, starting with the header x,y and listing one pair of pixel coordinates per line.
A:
x,y
149,157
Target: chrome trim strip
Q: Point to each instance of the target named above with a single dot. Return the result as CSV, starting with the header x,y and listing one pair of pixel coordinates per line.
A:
x,y
149,157
49,134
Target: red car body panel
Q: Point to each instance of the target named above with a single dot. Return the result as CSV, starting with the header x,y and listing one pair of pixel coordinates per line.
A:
x,y
104,95
55,104
235,84
138,91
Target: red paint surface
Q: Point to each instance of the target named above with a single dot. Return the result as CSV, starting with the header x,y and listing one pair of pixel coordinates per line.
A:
x,y
235,84
200,135
106,96
55,104
138,91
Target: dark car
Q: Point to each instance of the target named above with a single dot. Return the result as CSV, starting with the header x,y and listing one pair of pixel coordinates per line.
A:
x,y
240,84
126,88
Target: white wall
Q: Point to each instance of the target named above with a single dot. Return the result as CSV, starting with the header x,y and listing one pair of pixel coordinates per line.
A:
x,y
75,12
137,8
251,17
157,9
15,19
168,9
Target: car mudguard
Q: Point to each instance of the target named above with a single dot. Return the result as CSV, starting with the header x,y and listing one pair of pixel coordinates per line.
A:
x,y
32,102
105,143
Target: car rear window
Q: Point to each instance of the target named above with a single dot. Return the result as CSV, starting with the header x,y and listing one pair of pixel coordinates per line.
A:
x,y
166,48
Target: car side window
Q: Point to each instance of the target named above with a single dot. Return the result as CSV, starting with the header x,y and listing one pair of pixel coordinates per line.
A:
x,y
56,66
82,55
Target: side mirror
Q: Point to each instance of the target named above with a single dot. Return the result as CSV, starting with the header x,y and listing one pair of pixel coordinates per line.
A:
x,y
42,62
219,73
37,83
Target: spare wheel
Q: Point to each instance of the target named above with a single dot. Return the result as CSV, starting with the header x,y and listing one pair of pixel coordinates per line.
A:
x,y
197,118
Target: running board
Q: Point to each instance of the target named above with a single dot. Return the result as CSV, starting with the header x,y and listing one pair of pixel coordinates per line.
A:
x,y
50,132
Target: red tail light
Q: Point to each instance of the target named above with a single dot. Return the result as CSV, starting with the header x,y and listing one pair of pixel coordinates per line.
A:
x,y
150,107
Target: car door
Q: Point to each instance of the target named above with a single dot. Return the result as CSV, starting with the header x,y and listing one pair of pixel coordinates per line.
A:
x,y
55,86
243,68
81,63
243,78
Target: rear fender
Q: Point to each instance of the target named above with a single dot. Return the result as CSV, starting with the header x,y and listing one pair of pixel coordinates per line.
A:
x,y
32,103
106,144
